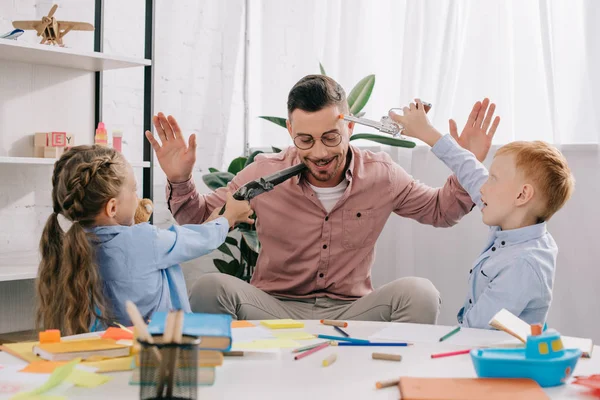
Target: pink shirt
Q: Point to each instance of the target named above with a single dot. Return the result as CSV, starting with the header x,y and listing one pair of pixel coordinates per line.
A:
x,y
307,252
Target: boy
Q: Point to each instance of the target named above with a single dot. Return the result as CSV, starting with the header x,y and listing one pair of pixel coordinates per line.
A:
x,y
527,183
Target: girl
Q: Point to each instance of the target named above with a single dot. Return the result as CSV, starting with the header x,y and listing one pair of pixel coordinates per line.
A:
x,y
88,272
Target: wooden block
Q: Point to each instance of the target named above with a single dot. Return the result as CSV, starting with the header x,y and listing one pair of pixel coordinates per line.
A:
x,y
70,140
53,152
38,151
40,139
58,139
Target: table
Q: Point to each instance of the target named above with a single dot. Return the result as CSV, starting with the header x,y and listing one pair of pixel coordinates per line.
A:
x,y
352,376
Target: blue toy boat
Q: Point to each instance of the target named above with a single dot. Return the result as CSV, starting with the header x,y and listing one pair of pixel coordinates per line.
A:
x,y
544,359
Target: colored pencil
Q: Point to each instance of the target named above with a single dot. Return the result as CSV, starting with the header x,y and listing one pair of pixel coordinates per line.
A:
x,y
452,332
311,351
452,353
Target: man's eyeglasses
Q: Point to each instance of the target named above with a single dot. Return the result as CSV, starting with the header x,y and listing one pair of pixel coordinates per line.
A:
x,y
305,142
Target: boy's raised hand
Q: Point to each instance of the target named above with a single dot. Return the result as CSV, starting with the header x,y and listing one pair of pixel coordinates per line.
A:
x,y
175,156
237,211
479,130
415,123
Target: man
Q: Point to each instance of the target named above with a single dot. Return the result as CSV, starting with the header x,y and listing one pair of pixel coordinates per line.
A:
x,y
318,230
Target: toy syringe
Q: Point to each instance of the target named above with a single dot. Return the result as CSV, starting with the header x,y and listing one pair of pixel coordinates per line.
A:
x,y
385,125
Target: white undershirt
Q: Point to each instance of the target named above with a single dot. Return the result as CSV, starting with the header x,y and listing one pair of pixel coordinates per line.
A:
x,y
329,196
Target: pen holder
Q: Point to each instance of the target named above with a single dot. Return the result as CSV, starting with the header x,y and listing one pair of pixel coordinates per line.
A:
x,y
174,375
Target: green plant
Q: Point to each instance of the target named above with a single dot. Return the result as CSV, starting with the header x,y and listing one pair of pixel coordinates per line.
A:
x,y
244,248
357,100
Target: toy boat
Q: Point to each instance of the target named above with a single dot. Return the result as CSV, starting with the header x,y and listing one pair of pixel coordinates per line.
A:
x,y
544,359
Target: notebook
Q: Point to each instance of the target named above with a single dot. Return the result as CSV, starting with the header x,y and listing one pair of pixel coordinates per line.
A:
x,y
282,324
84,349
506,321
210,358
214,330
469,389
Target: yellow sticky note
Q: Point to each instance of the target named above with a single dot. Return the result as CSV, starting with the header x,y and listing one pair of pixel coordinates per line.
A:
x,y
87,379
282,323
294,335
266,344
26,396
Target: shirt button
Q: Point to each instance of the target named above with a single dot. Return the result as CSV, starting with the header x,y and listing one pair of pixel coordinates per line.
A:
x,y
503,243
470,301
493,249
358,215
324,246
470,271
327,218
321,275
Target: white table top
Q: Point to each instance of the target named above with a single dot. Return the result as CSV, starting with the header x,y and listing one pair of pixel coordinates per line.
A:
x,y
353,376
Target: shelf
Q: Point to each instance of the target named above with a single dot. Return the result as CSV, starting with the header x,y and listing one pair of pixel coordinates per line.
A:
x,y
17,273
42,54
51,161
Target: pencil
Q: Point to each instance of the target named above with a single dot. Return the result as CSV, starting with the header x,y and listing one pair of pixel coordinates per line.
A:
x,y
388,357
329,360
388,383
344,339
311,351
332,322
310,346
391,344
452,332
340,330
452,353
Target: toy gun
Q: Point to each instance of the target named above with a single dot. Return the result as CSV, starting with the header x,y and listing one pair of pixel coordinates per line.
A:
x,y
385,125
265,184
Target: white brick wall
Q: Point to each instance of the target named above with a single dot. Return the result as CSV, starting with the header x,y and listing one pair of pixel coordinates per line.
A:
x,y
198,66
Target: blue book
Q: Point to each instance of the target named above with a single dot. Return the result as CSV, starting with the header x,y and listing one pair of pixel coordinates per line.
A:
x,y
214,330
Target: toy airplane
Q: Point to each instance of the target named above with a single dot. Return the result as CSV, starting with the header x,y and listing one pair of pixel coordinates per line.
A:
x,y
13,35
385,125
265,184
51,30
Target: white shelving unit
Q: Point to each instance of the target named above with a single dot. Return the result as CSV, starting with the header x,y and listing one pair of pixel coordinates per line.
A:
x,y
42,54
24,267
51,161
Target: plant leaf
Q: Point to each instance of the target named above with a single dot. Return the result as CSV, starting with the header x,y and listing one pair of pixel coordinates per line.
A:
x,y
213,170
233,267
232,241
250,159
251,239
225,249
388,140
360,114
275,149
322,69
276,120
237,165
248,255
216,180
220,264
360,94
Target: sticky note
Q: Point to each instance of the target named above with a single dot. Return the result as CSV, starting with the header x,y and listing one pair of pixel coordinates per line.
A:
x,y
117,334
282,323
242,324
50,336
43,367
56,378
87,379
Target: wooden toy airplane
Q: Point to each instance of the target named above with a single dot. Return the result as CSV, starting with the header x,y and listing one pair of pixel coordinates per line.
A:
x,y
50,29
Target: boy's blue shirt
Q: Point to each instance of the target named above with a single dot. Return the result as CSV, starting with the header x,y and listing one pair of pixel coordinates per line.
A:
x,y
516,268
141,263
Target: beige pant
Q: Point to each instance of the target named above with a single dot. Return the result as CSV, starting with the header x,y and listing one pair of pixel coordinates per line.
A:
x,y
403,300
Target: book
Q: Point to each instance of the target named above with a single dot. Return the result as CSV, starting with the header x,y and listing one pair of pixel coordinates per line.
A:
x,y
506,321
84,349
210,358
282,323
213,330
470,389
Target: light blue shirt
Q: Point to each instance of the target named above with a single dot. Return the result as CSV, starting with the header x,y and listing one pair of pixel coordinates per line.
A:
x,y
516,268
141,263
